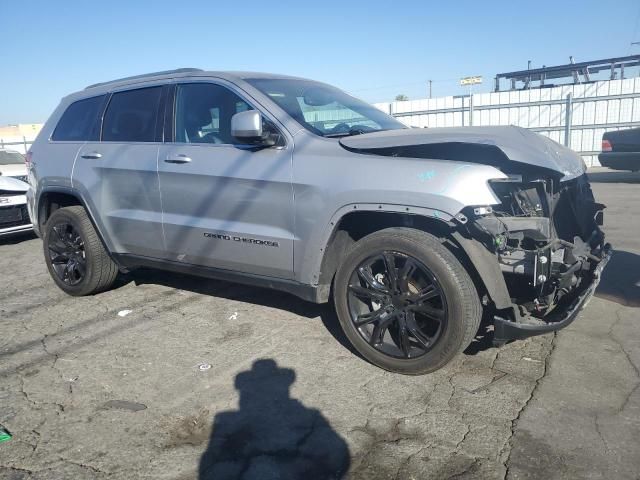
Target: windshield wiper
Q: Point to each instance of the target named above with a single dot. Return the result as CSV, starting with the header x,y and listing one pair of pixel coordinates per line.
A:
x,y
350,133
336,135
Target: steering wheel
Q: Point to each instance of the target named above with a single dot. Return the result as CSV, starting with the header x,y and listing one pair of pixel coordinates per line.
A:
x,y
341,128
358,129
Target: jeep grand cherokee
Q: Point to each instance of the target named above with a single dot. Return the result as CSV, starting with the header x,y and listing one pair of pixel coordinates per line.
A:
x,y
295,185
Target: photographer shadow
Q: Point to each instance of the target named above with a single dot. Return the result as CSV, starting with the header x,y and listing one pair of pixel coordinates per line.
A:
x,y
271,435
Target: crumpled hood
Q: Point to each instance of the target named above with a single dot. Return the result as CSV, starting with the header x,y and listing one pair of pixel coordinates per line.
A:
x,y
12,184
517,146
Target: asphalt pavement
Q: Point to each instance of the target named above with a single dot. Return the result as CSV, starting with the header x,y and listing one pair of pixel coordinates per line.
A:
x,y
176,377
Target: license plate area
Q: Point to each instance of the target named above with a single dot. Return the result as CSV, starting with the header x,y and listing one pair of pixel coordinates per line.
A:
x,y
10,214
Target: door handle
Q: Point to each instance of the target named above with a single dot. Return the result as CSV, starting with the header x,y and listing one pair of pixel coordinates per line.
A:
x,y
92,155
177,159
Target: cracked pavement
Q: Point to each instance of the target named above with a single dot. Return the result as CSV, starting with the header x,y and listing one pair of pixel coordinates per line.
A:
x,y
89,394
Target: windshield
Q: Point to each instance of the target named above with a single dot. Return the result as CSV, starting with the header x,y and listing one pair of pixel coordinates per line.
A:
x,y
325,110
10,158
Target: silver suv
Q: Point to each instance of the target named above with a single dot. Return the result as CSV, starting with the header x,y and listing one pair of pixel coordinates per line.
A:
x,y
294,185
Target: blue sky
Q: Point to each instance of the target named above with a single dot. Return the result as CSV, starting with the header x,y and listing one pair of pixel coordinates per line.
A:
x,y
373,49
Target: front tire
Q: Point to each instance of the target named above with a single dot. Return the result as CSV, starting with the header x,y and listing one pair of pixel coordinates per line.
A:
x,y
74,254
405,302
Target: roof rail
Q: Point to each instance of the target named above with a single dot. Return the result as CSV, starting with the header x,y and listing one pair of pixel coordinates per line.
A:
x,y
154,74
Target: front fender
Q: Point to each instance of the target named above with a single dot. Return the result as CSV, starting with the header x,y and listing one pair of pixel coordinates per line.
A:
x,y
329,181
436,189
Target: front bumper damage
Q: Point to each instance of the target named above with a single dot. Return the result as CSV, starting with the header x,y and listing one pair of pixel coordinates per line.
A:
x,y
505,330
540,252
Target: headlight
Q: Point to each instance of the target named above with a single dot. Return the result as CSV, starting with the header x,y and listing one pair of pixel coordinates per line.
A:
x,y
520,198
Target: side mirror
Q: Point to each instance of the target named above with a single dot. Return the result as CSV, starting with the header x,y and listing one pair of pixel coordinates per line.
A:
x,y
247,126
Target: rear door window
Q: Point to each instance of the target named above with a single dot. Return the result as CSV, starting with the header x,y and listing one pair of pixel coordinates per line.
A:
x,y
81,121
132,116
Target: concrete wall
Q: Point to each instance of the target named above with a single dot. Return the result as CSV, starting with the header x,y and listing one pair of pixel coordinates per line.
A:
x,y
596,108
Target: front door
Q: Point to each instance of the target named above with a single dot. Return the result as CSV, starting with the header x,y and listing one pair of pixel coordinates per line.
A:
x,y
225,205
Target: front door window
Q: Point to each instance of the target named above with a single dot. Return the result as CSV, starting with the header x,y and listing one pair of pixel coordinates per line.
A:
x,y
204,111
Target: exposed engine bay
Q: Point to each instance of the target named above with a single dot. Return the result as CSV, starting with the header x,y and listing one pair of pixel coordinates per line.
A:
x,y
546,236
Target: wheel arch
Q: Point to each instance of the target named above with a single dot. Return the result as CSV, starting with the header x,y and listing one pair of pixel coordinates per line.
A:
x,y
356,223
52,199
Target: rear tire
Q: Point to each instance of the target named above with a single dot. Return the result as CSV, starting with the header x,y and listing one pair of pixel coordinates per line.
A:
x,y
421,335
74,254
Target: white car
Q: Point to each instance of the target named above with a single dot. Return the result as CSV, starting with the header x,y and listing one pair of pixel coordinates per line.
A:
x,y
14,217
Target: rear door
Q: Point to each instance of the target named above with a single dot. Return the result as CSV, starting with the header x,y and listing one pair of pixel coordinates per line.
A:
x,y
225,205
118,175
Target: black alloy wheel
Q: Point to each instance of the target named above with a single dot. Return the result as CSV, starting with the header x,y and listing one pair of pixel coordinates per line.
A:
x,y
404,301
66,253
75,256
397,305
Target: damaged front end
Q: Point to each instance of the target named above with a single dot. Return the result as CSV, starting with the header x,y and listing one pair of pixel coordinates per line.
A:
x,y
538,249
546,236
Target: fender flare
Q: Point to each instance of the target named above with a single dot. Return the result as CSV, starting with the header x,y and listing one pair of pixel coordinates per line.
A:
x,y
312,269
484,262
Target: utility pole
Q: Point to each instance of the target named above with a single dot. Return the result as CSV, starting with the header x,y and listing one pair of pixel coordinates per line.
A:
x,y
471,105
430,82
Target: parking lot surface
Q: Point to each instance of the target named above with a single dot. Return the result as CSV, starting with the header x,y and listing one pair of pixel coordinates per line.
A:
x,y
129,383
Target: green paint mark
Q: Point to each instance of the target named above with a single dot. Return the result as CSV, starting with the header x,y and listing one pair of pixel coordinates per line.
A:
x,y
424,176
4,435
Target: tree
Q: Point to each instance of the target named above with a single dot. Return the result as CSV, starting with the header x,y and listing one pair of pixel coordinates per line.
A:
x,y
401,98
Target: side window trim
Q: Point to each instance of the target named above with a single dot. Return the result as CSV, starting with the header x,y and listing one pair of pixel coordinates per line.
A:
x,y
105,104
104,113
98,122
233,89
159,131
169,113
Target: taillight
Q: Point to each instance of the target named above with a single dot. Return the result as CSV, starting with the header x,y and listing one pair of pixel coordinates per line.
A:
x,y
606,146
